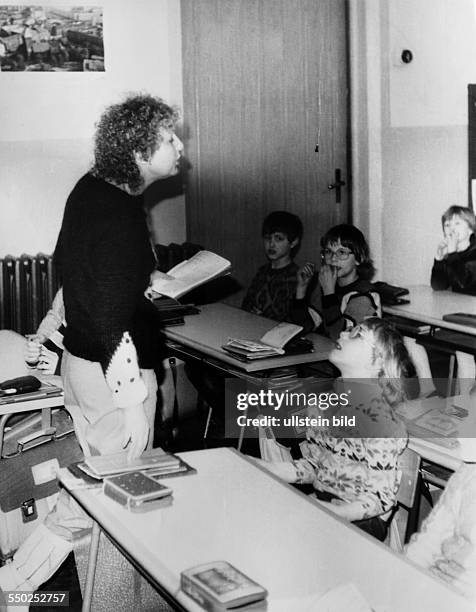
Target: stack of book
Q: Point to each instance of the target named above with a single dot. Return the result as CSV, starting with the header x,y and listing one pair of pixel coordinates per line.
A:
x,y
172,312
156,462
273,343
136,484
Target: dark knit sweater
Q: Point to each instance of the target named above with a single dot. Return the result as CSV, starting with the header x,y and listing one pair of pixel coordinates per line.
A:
x,y
105,259
457,271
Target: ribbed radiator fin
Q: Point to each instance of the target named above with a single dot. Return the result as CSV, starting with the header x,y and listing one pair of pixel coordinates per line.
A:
x,y
27,287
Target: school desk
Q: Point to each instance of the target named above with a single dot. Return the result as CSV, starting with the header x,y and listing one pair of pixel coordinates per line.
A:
x,y
204,334
17,404
235,511
428,306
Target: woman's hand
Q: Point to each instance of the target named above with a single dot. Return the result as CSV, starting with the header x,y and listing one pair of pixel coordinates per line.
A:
x,y
155,275
328,279
32,349
48,361
304,275
136,431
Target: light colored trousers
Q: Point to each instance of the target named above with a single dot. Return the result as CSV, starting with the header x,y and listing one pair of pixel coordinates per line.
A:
x,y
100,429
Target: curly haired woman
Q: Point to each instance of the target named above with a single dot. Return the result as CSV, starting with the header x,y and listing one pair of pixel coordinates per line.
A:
x,y
106,260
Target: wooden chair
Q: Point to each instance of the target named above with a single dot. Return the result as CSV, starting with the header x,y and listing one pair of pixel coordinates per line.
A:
x,y
405,518
419,356
462,351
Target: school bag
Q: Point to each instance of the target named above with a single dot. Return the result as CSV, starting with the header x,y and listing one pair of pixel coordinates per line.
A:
x,y
31,451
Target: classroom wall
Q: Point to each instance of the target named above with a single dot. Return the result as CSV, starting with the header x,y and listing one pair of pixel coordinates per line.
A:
x,y
409,125
47,122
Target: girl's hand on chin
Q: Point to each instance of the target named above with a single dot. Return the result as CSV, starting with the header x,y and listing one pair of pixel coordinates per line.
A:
x,y
441,250
452,242
328,279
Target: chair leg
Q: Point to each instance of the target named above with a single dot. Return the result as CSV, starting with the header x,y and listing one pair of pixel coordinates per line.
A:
x,y
451,373
207,424
466,372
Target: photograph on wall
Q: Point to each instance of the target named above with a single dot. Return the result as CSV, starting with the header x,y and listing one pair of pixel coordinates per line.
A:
x,y
51,39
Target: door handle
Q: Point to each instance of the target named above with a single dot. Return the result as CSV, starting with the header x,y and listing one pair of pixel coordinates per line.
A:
x,y
337,184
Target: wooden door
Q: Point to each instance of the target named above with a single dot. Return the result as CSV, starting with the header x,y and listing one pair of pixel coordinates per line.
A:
x,y
266,116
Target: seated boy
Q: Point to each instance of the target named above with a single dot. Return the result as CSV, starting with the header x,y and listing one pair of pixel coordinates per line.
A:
x,y
455,260
278,290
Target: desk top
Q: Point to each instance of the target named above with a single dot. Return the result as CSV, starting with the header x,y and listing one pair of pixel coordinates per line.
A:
x,y
429,306
233,510
52,401
209,330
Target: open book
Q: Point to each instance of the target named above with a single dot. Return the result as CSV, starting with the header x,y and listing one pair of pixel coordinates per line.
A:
x,y
270,344
182,278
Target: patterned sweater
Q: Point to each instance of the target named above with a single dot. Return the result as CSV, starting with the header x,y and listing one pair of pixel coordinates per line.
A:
x,y
271,292
105,259
357,464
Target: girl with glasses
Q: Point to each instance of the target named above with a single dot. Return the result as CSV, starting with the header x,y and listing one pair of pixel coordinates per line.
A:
x,y
353,468
344,278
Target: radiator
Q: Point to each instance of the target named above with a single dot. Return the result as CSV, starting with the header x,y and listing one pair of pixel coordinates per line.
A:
x,y
28,285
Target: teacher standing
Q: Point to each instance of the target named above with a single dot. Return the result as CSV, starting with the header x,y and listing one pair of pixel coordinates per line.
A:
x,y
105,259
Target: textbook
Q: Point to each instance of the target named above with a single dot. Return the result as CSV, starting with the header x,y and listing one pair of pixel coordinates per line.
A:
x,y
137,492
218,587
269,345
199,269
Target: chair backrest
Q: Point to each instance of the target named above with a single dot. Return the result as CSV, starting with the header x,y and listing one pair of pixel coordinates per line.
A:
x,y
409,466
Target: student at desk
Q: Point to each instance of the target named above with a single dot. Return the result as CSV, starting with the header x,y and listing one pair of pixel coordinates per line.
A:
x,y
455,260
344,279
356,477
279,289
41,351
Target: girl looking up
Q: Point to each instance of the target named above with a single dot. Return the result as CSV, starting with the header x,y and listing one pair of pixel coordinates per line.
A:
x,y
354,469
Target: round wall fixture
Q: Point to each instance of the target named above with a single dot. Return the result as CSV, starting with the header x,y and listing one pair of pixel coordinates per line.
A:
x,y
407,56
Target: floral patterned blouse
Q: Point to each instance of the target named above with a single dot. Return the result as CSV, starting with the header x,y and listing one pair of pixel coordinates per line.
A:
x,y
357,463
